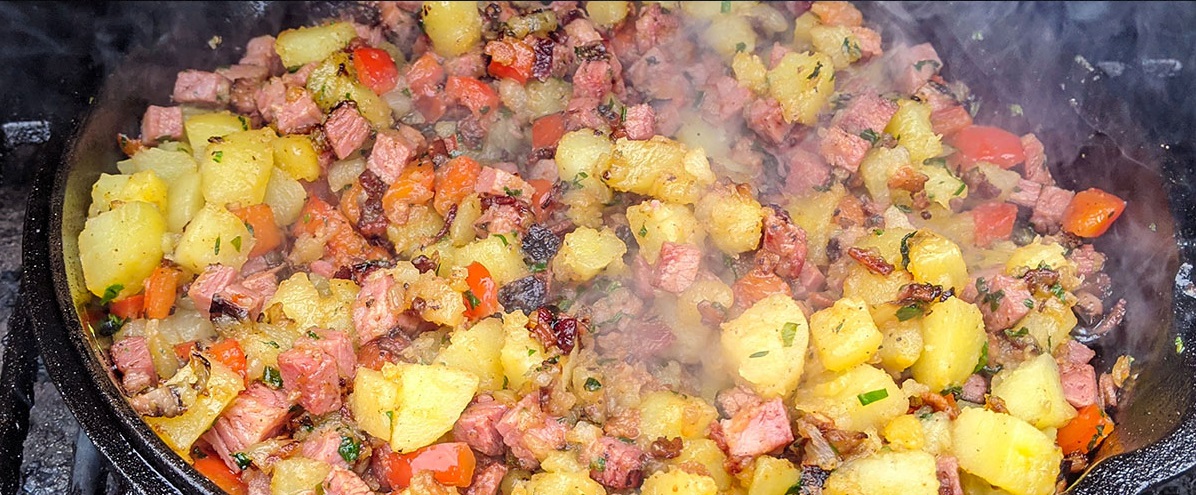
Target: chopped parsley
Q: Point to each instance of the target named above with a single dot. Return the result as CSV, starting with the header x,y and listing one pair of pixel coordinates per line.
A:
x,y
873,396
983,361
111,292
592,385
598,464
910,312
110,325
502,238
539,266
851,49
725,7
871,136
759,354
962,187
1057,291
217,156
643,231
236,242
271,343
993,299
923,63
531,352
217,248
1013,334
578,178
350,448
1029,303
741,46
514,193
244,123
271,377
473,300
905,249
243,461
788,332
1179,344
817,70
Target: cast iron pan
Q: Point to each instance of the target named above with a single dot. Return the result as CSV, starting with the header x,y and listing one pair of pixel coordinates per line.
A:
x,y
1125,128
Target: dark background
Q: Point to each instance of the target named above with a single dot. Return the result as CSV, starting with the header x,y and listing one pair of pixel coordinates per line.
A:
x,y
54,56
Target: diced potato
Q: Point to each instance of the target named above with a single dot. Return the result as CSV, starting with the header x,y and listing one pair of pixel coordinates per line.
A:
x,y
582,156
707,10
285,196
562,462
1050,324
296,156
706,453
942,186
862,398
214,236
838,43
180,432
844,335
167,165
262,344
1005,180
431,398
478,350
1006,452
454,27
766,345
902,345
237,170
303,303
904,433
121,247
975,485
814,213
607,13
557,483
184,199
374,402
696,132
733,217
711,289
547,97
911,126
661,168
520,352
885,473
499,253
802,83
878,167
304,45
934,259
1035,255
654,223
953,337
461,232
802,27
444,304
586,252
329,85
205,126
773,476
1032,392
298,476
144,186
665,414
676,481
729,34
936,428
750,72
873,288
423,223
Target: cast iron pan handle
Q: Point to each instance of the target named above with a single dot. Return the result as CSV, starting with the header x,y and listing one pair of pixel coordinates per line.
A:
x,y
16,397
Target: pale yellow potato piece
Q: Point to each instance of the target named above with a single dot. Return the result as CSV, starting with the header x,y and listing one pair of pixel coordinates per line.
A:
x,y
766,345
121,247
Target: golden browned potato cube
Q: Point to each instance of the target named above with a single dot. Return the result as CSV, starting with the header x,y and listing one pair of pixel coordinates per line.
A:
x,y
120,248
303,45
844,334
1006,452
802,83
454,27
766,345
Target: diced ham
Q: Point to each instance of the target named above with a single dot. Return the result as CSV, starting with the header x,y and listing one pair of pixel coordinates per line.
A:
x,y
161,122
1048,210
545,169
372,35
654,26
243,71
323,268
487,480
260,51
950,120
677,267
346,129
733,400
324,446
764,116
1075,353
641,122
476,426
947,471
806,171
246,298
468,64
502,183
621,465
869,41
913,66
725,99
378,304
132,358
757,430
1005,302
865,112
201,88
593,79
809,281
529,432
393,148
255,415
1087,259
242,98
974,388
298,115
341,481
1025,193
783,245
1035,164
1076,375
256,482
777,53
213,280
299,77
311,374
843,150
582,33
271,98
336,344
668,117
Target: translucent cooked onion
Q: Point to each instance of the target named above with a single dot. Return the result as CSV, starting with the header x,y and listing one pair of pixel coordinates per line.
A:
x,y
341,174
399,102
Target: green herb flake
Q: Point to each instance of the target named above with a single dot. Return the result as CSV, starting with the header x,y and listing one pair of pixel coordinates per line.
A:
x,y
643,231
795,490
923,63
871,136
350,449
514,193
313,335
271,343
851,49
788,332
1016,110
217,248
1058,292
598,464
502,238
962,187
111,292
531,352
1029,303
217,156
905,249
539,266
814,74
873,396
592,385
910,312
741,46
391,414
244,123
623,114
236,242
725,7
983,361
904,208
1013,334
272,377
1179,344
759,354
243,461
473,300
110,325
